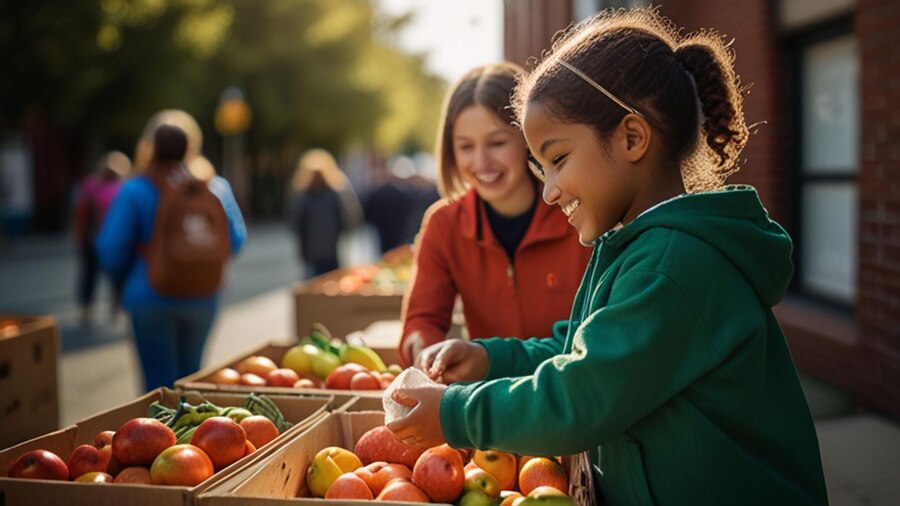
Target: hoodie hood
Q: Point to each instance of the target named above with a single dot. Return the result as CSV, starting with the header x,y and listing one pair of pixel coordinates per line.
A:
x,y
734,222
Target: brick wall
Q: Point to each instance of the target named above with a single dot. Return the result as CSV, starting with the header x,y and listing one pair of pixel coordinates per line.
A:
x,y
878,310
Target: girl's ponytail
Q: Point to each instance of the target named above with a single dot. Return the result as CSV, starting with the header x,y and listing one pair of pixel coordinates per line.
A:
x,y
708,62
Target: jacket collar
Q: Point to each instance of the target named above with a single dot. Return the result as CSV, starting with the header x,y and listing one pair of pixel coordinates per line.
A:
x,y
548,223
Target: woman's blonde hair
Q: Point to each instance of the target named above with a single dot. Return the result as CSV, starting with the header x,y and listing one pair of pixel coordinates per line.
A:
x,y
143,152
318,161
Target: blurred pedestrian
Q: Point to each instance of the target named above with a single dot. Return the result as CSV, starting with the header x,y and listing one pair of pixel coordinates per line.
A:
x,y
512,259
389,205
170,331
95,196
323,204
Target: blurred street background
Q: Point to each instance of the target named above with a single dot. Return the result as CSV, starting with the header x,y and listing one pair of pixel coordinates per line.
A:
x,y
364,79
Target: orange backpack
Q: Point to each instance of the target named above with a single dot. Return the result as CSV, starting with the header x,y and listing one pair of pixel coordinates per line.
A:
x,y
190,244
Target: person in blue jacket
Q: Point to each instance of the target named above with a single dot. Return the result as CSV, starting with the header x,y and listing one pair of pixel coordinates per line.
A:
x,y
672,370
169,333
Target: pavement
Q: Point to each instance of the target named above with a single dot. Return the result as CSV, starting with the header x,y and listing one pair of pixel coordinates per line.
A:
x,y
860,449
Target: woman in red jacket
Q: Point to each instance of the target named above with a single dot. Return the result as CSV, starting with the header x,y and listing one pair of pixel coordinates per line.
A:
x,y
514,261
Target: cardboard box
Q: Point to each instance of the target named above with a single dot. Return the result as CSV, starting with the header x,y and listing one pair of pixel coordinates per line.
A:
x,y
280,478
29,393
301,411
321,300
200,380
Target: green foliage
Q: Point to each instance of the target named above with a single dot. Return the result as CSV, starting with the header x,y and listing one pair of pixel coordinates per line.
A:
x,y
315,72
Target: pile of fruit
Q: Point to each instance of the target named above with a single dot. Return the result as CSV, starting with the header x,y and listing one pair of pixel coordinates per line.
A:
x,y
383,468
317,362
181,446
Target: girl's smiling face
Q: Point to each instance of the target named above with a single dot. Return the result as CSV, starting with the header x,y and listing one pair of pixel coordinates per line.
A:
x,y
490,155
594,185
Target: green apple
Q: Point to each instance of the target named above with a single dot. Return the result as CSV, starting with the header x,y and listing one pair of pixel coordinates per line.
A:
x,y
476,498
547,496
482,481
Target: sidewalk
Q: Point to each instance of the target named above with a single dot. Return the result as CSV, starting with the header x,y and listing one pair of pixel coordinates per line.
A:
x,y
860,451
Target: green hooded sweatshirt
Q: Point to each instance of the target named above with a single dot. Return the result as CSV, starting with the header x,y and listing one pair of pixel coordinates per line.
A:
x,y
672,370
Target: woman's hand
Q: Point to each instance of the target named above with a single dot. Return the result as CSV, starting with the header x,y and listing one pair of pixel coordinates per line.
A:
x,y
422,426
412,347
454,360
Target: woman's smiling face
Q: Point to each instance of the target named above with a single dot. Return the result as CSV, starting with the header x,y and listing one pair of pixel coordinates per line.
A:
x,y
592,184
490,155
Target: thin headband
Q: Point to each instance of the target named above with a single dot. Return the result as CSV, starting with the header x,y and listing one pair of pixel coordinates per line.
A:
x,y
603,90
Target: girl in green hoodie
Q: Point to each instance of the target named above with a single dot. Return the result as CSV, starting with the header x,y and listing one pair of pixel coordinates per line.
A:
x,y
672,370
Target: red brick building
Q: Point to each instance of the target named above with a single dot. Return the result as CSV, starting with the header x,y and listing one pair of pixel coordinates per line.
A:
x,y
825,78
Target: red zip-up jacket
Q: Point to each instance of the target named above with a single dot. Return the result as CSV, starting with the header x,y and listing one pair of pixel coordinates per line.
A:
x,y
456,253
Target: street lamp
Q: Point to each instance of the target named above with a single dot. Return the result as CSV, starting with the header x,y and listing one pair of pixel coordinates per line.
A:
x,y
232,119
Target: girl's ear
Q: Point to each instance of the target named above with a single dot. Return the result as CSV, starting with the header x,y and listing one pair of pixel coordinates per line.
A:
x,y
637,136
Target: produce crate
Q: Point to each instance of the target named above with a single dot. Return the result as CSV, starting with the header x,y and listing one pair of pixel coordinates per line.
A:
x,y
200,380
320,300
29,393
301,411
280,478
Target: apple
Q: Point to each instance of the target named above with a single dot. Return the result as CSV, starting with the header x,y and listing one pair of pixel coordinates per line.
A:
x,y
365,381
547,496
252,380
222,439
257,364
94,477
339,379
282,378
184,465
87,458
349,486
226,376
103,440
134,474
39,465
476,498
329,464
402,490
479,480
305,383
259,429
380,473
439,472
139,440
501,465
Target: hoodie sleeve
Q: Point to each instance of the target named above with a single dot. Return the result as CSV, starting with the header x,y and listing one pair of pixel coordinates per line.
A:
x,y
517,357
629,357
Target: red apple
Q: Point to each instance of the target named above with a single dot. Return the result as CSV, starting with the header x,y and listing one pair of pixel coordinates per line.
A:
x,y
259,429
139,440
87,458
135,474
222,439
282,378
184,465
339,379
39,465
439,472
365,381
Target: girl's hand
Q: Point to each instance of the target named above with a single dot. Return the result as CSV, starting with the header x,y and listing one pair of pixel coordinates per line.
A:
x,y
454,360
422,426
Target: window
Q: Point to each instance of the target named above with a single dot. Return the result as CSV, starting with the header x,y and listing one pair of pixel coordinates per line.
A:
x,y
827,189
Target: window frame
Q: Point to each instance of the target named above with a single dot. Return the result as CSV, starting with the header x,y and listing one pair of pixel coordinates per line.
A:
x,y
796,42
